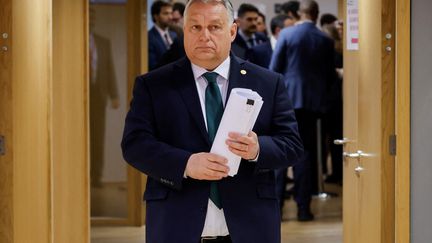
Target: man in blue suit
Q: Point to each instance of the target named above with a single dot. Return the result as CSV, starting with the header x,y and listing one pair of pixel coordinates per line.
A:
x,y
247,36
304,55
169,131
160,37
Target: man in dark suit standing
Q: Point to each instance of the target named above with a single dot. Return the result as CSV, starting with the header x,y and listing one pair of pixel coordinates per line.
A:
x,y
173,118
247,36
160,37
304,55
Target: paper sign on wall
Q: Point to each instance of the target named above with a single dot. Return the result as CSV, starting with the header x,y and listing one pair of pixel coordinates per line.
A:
x,y
352,22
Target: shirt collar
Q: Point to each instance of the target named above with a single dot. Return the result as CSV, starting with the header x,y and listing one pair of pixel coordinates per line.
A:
x,y
245,37
222,70
303,21
161,31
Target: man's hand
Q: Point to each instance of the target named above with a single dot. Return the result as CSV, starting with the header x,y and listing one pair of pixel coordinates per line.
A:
x,y
207,166
115,103
245,146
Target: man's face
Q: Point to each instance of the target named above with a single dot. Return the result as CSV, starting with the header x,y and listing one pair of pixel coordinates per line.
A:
x,y
177,18
260,24
207,34
248,23
164,18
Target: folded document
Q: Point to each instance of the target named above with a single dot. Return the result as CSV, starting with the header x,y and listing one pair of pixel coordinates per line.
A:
x,y
240,114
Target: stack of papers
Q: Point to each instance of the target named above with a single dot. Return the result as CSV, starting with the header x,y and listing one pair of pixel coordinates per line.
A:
x,y
240,114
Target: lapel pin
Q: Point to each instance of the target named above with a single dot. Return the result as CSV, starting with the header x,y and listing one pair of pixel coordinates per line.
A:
x,y
243,71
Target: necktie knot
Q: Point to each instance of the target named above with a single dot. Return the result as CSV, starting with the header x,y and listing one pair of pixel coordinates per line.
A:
x,y
210,77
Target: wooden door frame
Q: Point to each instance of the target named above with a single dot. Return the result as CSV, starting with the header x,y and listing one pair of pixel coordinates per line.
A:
x,y
403,114
402,47
136,64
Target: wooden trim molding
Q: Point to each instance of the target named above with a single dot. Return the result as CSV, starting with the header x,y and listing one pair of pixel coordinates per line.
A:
x,y
70,127
137,27
6,159
388,26
403,114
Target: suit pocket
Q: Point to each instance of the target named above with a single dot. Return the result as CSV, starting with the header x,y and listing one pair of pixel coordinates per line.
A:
x,y
267,191
155,193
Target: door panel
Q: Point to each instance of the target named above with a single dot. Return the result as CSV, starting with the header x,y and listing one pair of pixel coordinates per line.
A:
x,y
369,120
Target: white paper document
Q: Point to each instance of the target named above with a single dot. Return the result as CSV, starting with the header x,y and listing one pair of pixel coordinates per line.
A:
x,y
240,114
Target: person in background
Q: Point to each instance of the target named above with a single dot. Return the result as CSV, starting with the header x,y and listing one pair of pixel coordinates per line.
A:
x,y
327,18
291,8
160,37
177,19
247,35
177,14
169,131
333,119
103,91
261,54
305,56
261,24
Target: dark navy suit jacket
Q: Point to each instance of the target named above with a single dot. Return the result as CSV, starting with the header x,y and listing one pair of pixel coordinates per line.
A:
x,y
165,125
260,54
305,57
239,46
156,46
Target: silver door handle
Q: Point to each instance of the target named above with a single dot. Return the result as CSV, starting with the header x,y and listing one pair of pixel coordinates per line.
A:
x,y
342,141
355,155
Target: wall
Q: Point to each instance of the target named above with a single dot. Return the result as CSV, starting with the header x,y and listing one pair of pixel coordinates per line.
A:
x,y
421,125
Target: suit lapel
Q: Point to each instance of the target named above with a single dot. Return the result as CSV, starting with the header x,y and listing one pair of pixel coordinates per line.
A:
x,y
160,41
236,79
185,84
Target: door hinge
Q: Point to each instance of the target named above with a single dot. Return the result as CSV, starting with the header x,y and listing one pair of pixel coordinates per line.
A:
x,y
392,144
2,145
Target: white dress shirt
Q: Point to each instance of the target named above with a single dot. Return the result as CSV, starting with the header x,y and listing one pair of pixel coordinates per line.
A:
x,y
215,224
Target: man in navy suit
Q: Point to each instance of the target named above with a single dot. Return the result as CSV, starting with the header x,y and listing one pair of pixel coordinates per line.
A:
x,y
169,130
160,37
304,55
247,36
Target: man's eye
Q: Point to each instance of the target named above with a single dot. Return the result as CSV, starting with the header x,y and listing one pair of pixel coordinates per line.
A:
x,y
214,27
195,28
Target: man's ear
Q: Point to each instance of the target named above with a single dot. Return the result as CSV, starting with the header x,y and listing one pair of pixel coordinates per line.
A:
x,y
233,31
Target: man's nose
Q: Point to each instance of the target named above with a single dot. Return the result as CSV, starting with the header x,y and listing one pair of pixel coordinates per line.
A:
x,y
205,34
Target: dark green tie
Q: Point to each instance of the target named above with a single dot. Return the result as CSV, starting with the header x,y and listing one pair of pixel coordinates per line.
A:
x,y
214,111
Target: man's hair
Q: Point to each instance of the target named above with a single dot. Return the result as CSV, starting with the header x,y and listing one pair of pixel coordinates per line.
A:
x,y
327,18
309,7
157,6
291,7
278,22
180,7
246,7
226,3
